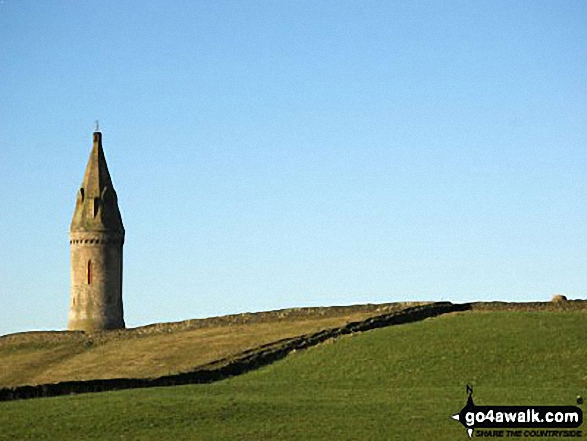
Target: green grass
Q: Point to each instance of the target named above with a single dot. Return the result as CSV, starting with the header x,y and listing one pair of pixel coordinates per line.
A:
x,y
401,383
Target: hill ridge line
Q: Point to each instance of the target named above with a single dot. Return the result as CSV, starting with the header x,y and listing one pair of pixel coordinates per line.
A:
x,y
242,363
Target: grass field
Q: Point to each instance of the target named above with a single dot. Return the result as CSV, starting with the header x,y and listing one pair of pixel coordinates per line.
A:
x,y
163,349
401,382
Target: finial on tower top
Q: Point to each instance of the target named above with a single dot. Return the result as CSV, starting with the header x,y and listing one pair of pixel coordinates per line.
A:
x,y
97,135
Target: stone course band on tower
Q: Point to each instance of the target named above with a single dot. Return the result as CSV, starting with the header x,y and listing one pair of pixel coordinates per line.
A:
x,y
96,241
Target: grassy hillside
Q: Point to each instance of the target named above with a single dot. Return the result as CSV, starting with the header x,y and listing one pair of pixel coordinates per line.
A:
x,y
401,382
162,349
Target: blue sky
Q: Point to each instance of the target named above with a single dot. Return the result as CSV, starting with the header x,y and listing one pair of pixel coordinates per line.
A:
x,y
273,154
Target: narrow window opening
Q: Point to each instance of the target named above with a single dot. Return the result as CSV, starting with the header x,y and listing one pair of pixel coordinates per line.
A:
x,y
96,206
89,272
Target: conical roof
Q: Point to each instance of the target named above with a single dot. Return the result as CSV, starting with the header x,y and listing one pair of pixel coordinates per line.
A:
x,y
96,209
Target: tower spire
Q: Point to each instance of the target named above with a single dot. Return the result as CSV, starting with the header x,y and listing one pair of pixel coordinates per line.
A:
x,y
97,204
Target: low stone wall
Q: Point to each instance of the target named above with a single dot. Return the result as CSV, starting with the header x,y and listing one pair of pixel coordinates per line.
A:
x,y
566,305
245,362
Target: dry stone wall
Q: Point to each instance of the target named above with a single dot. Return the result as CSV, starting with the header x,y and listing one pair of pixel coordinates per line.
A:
x,y
245,362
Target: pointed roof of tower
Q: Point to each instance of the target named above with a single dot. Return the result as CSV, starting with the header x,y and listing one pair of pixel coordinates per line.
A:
x,y
97,204
97,176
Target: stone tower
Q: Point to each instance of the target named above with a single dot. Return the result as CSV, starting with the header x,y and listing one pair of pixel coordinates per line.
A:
x,y
96,240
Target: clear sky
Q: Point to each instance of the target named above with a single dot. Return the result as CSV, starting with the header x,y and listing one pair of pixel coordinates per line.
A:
x,y
273,154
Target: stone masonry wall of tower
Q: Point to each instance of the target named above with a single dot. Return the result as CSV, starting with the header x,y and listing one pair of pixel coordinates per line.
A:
x,y
96,304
